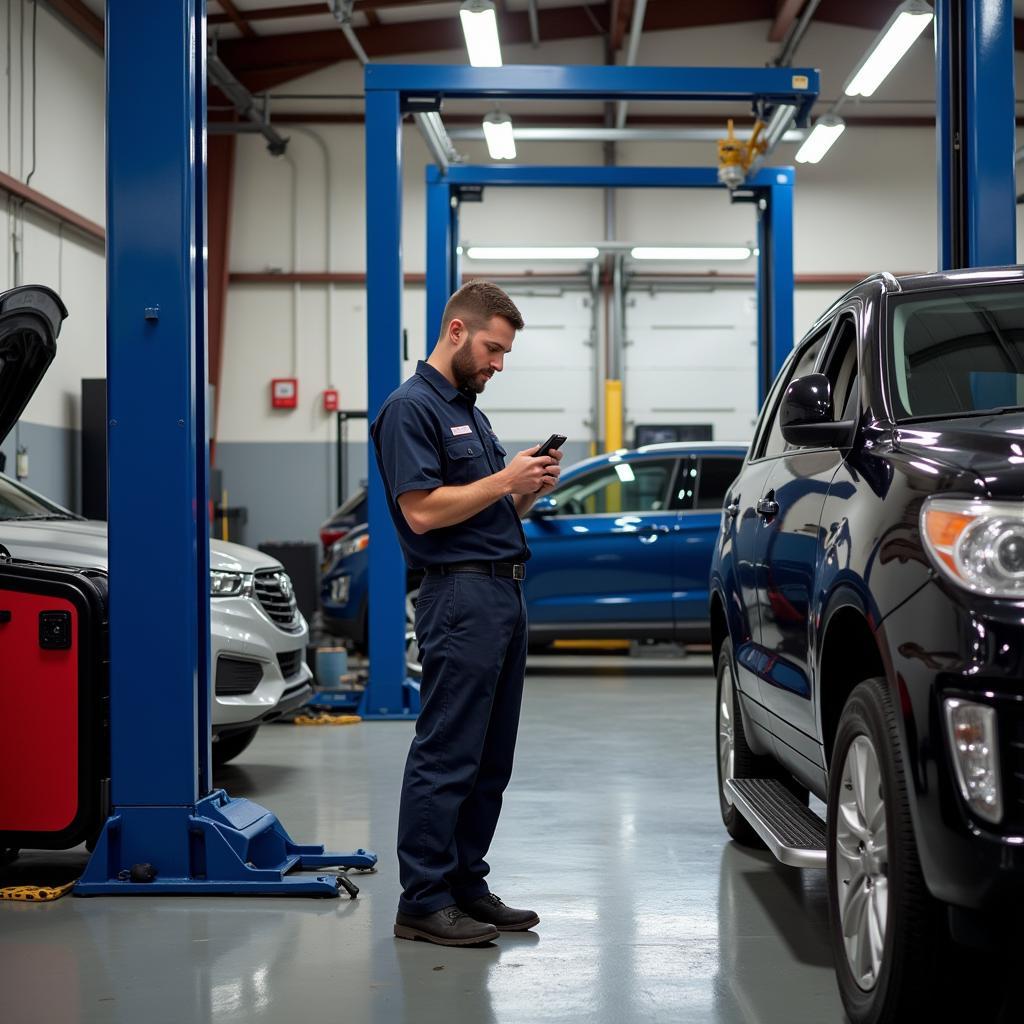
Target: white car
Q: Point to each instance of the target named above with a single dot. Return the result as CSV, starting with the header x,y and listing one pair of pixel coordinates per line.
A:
x,y
258,635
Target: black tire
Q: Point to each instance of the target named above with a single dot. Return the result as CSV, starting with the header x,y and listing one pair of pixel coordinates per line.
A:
x,y
746,764
229,747
921,971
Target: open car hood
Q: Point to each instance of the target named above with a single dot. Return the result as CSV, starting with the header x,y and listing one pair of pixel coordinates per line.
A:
x,y
30,319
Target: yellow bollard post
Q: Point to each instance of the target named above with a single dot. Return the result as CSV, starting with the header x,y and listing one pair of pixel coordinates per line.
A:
x,y
612,415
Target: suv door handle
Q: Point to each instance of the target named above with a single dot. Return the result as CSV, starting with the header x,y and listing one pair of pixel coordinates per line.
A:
x,y
654,529
732,510
767,508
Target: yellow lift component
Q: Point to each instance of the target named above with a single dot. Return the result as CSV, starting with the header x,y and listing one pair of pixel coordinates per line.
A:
x,y
735,156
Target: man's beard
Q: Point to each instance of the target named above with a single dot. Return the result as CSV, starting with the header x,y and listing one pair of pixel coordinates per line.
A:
x,y
466,372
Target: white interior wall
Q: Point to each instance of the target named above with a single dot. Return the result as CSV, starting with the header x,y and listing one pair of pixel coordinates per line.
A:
x,y
69,168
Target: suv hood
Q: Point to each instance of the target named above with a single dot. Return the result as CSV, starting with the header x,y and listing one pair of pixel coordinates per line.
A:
x,y
84,543
30,319
990,446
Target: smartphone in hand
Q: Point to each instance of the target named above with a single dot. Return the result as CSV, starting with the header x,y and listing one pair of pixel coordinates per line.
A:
x,y
553,443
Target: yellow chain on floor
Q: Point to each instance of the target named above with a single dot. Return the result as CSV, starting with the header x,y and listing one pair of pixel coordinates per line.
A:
x,y
36,893
324,718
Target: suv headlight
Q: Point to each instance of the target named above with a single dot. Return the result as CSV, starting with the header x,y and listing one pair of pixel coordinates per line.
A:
x,y
350,547
231,584
972,734
979,545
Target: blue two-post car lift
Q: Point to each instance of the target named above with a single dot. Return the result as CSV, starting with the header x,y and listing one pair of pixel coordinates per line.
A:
x,y
168,831
392,90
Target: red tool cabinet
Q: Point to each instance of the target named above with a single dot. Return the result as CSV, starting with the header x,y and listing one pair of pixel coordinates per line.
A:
x,y
54,744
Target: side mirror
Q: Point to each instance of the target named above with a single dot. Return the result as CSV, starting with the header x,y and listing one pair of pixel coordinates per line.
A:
x,y
807,417
544,508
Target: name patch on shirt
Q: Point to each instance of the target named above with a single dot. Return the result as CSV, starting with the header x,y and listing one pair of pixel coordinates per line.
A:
x,y
459,431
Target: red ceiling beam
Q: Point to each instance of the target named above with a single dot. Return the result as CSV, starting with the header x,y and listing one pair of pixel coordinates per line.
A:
x,y
271,13
236,19
367,7
622,12
80,18
242,55
872,14
281,52
664,15
786,12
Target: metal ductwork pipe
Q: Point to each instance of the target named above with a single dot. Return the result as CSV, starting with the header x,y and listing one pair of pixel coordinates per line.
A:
x,y
244,102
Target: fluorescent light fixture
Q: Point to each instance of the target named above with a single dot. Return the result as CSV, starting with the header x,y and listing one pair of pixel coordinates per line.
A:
x,y
909,20
480,27
690,252
533,252
501,142
826,130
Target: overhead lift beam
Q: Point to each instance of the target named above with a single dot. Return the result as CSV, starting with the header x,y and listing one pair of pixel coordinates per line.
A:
x,y
392,90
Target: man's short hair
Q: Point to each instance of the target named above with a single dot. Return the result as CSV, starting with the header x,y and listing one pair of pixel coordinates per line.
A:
x,y
475,303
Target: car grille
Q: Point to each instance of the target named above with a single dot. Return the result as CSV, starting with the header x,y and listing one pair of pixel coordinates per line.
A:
x,y
291,663
276,597
237,676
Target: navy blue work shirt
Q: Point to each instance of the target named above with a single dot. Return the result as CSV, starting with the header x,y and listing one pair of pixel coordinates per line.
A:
x,y
429,434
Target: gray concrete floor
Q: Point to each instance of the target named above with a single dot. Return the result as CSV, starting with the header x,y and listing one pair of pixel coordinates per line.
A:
x,y
610,831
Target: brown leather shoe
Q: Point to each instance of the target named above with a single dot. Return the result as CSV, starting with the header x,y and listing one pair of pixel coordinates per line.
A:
x,y
448,926
506,919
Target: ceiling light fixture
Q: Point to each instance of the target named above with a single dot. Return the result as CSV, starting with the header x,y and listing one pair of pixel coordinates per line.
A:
x,y
826,130
501,141
690,252
480,27
537,252
908,21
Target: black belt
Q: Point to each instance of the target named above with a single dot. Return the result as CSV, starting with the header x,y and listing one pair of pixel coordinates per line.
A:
x,y
512,570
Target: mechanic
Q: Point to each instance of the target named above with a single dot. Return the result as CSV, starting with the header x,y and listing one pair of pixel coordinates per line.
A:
x,y
457,508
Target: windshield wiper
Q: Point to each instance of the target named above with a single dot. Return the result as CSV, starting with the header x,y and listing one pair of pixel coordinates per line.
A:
x,y
960,415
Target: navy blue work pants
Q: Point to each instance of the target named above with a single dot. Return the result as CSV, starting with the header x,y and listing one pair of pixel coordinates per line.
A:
x,y
471,630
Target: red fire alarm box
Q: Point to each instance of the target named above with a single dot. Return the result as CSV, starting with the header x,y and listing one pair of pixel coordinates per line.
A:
x,y
331,400
284,393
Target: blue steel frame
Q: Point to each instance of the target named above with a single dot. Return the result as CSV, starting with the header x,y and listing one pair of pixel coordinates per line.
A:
x,y
392,89
976,133
166,823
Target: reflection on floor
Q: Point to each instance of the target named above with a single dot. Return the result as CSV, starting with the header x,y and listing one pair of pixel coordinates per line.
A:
x,y
610,831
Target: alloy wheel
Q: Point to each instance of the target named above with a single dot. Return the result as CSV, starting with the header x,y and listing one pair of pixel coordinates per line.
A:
x,y
726,735
862,867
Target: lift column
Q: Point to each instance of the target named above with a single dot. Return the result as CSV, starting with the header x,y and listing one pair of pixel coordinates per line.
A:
x,y
167,831
975,133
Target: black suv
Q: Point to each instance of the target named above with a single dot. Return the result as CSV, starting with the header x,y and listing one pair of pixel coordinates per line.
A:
x,y
867,610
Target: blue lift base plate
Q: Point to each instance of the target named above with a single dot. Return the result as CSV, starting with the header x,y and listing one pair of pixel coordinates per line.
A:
x,y
407,713
218,847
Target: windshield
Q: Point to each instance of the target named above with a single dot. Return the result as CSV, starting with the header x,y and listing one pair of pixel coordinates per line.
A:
x,y
17,502
958,352
351,504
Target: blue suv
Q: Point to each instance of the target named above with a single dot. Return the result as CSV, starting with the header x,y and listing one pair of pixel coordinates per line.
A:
x,y
621,549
